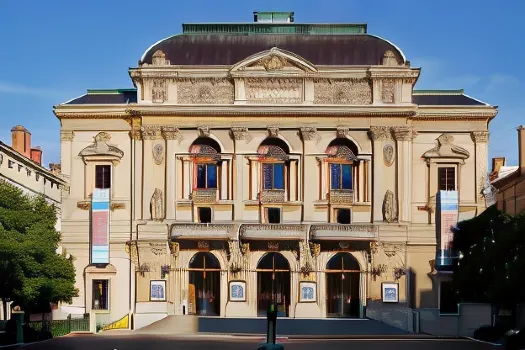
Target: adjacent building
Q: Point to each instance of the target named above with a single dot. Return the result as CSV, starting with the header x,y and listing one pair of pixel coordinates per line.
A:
x,y
265,162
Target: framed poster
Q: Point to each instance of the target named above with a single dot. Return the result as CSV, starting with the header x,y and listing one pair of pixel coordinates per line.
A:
x,y
390,292
157,290
100,226
237,291
308,292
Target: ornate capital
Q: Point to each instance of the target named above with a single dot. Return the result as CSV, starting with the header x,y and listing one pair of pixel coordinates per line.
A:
x,y
273,131
150,132
170,132
403,133
309,133
135,133
380,133
480,136
67,135
240,133
204,131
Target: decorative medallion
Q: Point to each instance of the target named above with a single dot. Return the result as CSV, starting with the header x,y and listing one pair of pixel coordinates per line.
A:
x,y
158,153
388,154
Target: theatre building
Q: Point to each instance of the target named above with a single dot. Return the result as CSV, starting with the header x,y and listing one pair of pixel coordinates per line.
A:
x,y
265,162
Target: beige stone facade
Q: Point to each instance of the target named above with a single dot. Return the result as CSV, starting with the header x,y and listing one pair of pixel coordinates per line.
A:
x,y
237,121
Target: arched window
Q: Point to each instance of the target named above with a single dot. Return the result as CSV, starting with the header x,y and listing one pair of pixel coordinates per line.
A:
x,y
342,157
206,157
273,154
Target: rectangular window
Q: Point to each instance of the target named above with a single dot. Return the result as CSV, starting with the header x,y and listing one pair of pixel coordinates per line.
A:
x,y
206,176
204,215
273,215
447,179
102,176
340,176
273,176
343,216
100,295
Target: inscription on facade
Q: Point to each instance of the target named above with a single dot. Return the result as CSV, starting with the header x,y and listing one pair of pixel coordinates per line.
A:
x,y
274,90
342,91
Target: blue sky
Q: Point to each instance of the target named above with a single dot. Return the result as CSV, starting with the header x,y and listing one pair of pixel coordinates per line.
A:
x,y
53,51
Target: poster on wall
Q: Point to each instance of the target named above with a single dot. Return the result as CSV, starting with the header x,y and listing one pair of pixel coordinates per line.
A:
x,y
157,290
390,292
237,291
100,226
446,219
308,292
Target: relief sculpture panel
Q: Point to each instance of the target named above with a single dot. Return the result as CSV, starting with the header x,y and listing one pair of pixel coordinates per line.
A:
x,y
274,90
205,91
342,91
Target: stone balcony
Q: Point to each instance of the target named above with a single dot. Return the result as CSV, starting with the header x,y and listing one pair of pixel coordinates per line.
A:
x,y
341,196
208,195
272,196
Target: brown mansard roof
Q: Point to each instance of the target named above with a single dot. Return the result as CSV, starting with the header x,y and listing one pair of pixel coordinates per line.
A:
x,y
227,49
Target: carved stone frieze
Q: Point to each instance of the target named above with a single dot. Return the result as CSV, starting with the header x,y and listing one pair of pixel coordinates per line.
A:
x,y
446,149
240,133
67,135
388,154
389,207
380,133
203,131
342,91
480,136
159,92
341,196
158,153
150,132
208,195
274,90
309,133
157,205
387,91
158,248
159,59
170,132
389,59
205,91
101,147
272,62
272,196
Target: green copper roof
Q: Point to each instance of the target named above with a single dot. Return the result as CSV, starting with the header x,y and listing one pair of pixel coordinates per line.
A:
x,y
274,28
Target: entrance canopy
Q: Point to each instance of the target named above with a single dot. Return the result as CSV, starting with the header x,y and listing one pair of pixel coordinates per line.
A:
x,y
338,232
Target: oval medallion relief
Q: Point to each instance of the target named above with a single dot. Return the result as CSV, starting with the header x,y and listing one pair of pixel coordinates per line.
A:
x,y
388,154
158,153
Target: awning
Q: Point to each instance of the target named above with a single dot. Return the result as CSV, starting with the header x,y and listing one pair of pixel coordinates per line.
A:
x,y
202,231
273,232
339,232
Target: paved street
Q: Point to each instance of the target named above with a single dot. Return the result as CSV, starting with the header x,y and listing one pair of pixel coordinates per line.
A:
x,y
139,342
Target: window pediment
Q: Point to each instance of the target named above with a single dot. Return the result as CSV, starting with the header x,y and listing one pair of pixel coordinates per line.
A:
x,y
446,149
274,59
100,149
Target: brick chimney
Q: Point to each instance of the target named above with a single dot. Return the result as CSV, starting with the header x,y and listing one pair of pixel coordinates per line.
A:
x,y
521,149
36,155
497,163
21,140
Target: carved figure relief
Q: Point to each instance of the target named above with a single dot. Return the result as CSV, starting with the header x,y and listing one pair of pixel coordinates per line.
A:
x,y
158,153
273,62
389,207
387,91
273,131
446,149
157,205
389,59
339,91
205,91
388,154
159,59
274,90
101,147
158,91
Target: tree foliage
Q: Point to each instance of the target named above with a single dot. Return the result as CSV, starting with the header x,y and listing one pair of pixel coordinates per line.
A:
x,y
32,274
491,267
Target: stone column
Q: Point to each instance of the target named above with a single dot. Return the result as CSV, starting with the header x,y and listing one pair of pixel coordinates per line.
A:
x,y
136,136
170,134
149,134
404,136
481,139
224,179
378,135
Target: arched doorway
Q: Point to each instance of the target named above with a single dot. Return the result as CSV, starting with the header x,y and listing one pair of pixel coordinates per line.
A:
x,y
342,286
205,284
273,284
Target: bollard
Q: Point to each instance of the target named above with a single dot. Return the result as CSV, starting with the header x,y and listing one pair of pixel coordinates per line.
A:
x,y
18,316
271,335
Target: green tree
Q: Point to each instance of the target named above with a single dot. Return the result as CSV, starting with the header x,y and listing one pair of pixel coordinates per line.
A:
x,y
32,274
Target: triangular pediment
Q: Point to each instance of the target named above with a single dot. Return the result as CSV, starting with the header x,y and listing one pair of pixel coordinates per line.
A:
x,y
446,149
101,147
274,59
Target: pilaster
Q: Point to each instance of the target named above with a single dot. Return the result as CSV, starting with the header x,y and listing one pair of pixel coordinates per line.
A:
x,y
481,139
66,144
404,136
149,135
136,136
378,135
170,134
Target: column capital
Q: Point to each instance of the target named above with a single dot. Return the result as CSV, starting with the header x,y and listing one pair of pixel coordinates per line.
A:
x,y
309,133
170,132
67,135
135,134
150,132
380,133
240,133
404,133
480,136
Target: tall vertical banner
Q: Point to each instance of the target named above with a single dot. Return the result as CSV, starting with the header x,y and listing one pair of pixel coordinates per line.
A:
x,y
100,226
446,218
